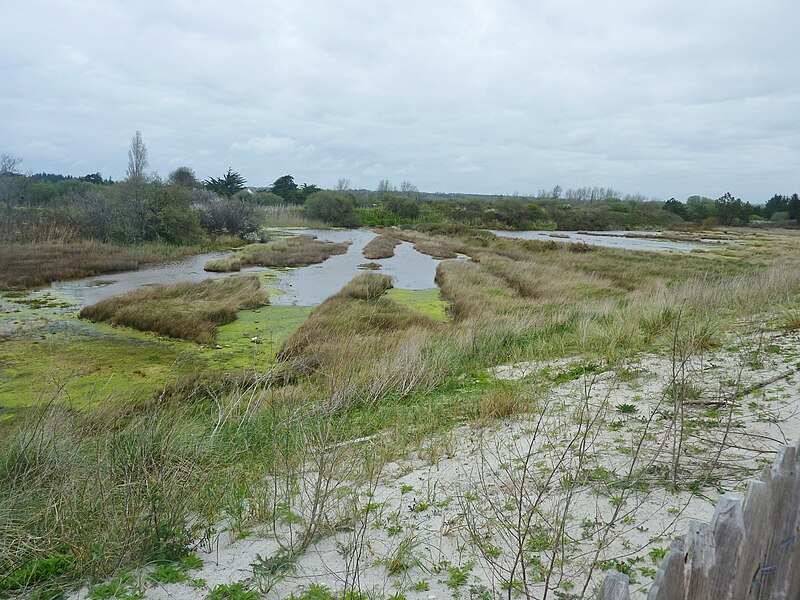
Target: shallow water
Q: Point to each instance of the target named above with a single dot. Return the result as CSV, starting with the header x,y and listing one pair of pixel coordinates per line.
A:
x,y
302,286
93,289
607,239
307,286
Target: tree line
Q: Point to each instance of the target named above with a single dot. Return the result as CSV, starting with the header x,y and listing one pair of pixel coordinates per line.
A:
x,y
183,209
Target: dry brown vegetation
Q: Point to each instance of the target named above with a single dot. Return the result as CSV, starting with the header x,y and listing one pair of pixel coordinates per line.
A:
x,y
33,265
437,247
381,247
362,343
297,251
189,311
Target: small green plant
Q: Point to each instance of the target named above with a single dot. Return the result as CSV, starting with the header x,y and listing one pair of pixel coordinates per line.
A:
x,y
314,592
175,572
168,573
657,554
458,576
232,591
122,587
627,408
401,559
405,488
480,592
44,569
421,586
576,373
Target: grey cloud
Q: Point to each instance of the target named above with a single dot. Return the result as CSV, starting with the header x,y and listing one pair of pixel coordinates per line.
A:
x,y
669,99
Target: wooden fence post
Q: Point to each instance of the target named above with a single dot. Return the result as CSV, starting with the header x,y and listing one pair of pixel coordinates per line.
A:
x,y
748,552
615,587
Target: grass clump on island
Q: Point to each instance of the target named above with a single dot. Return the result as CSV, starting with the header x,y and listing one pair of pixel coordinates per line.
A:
x,y
381,247
189,311
298,251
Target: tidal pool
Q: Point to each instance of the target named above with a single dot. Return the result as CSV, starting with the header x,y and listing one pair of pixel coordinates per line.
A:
x,y
301,286
623,240
306,286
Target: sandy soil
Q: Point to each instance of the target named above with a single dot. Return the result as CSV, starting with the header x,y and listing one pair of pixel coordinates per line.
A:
x,y
583,479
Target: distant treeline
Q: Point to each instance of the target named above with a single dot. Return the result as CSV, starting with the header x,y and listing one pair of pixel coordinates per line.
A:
x,y
730,211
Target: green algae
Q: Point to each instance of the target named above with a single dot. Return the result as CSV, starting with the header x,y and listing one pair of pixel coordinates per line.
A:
x,y
428,302
61,356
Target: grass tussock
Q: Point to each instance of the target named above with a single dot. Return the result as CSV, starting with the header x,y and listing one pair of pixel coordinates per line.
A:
x,y
498,404
189,311
439,246
24,266
298,251
223,265
381,247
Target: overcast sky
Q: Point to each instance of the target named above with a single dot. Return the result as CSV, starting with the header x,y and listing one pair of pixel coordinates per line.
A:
x,y
667,98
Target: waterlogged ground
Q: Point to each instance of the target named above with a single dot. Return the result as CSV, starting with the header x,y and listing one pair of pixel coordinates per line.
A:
x,y
46,351
302,286
624,240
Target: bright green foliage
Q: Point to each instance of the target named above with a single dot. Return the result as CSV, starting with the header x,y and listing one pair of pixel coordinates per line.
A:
x,y
37,571
330,207
232,591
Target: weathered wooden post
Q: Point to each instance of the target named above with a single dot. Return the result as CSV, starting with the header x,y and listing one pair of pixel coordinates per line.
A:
x,y
615,587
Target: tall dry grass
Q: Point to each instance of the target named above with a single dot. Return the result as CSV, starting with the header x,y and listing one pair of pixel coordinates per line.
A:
x,y
189,311
288,215
364,345
33,265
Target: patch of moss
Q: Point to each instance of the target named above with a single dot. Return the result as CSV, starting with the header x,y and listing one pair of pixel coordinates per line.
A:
x,y
270,325
428,302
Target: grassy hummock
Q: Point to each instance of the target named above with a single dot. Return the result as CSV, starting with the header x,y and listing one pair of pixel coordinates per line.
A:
x,y
189,311
298,251
381,247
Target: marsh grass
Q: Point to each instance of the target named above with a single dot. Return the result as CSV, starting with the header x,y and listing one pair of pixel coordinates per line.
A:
x,y
127,484
297,251
365,344
223,265
380,247
31,265
189,311
288,215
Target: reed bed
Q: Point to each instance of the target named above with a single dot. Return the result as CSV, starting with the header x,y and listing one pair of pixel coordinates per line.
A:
x,y
189,311
31,265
